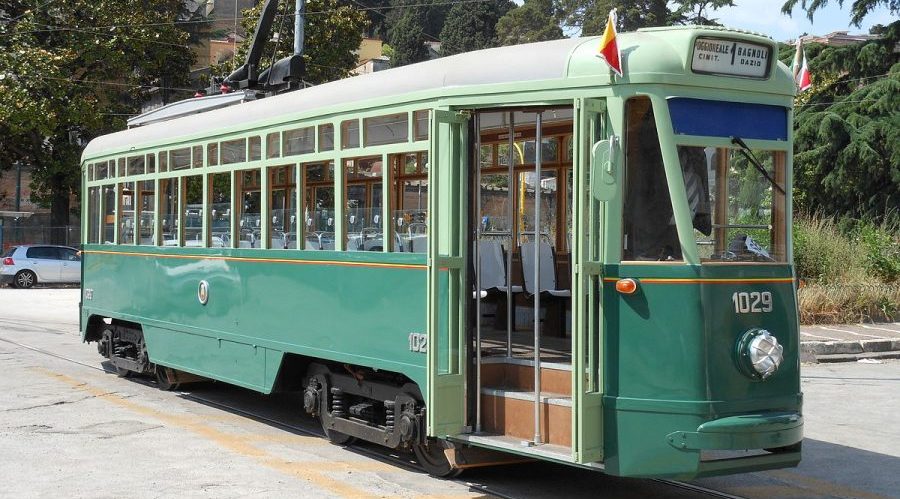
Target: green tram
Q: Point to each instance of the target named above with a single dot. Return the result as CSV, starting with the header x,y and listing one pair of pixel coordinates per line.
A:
x,y
501,254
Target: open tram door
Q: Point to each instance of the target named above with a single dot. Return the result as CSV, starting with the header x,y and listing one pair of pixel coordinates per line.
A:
x,y
447,298
594,182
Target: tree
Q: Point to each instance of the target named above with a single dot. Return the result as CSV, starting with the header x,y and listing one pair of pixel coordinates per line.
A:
x,y
332,34
534,21
70,71
590,15
847,128
472,26
407,41
858,10
698,11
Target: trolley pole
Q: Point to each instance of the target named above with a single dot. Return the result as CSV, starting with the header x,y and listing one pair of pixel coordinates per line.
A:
x,y
299,22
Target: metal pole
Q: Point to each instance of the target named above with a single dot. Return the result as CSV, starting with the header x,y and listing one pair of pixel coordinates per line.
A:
x,y
537,281
18,185
477,251
512,234
298,27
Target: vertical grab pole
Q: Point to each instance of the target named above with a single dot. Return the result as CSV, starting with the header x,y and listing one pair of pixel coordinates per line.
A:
x,y
511,212
537,276
477,252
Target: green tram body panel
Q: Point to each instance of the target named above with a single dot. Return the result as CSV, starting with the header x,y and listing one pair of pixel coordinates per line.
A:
x,y
354,308
670,387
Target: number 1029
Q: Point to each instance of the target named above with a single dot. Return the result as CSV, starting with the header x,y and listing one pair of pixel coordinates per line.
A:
x,y
751,303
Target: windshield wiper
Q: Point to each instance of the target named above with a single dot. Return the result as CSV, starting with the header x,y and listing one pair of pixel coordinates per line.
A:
x,y
745,150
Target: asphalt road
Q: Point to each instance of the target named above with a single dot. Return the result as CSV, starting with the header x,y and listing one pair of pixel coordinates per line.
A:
x,y
69,429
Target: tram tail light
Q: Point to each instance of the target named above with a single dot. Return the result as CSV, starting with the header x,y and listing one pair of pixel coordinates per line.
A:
x,y
8,261
626,286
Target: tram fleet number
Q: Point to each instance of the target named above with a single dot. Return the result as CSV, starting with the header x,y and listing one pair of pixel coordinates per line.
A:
x,y
418,342
752,302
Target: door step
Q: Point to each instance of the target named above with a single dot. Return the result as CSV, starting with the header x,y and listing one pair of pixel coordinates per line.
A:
x,y
510,412
518,374
551,452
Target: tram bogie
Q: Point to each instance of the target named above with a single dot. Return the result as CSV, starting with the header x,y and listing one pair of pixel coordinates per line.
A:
x,y
544,262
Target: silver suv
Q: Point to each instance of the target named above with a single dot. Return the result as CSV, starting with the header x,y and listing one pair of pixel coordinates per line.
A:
x,y
25,266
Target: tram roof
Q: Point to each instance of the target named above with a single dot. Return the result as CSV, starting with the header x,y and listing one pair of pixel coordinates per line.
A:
x,y
650,55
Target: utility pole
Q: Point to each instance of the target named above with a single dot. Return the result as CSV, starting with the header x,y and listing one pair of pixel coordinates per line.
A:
x,y
299,27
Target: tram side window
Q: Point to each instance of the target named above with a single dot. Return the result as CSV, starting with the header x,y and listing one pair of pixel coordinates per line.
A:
x,y
135,165
410,216
168,211
180,159
93,215
193,210
234,151
299,141
220,210
318,206
363,195
101,171
255,148
326,137
273,145
250,203
163,162
197,156
121,170
90,172
649,224
127,219
349,134
145,222
421,118
110,205
388,129
212,153
282,217
151,163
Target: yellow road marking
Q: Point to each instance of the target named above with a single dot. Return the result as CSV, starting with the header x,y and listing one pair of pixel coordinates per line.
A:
x,y
302,470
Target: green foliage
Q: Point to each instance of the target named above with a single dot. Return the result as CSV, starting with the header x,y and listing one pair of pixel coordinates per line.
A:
x,y
823,253
408,41
70,71
881,251
858,10
472,26
534,21
332,34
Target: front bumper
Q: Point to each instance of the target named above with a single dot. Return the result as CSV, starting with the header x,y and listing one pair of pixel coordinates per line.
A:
x,y
748,431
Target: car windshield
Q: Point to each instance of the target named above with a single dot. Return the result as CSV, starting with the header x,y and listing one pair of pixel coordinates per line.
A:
x,y
737,206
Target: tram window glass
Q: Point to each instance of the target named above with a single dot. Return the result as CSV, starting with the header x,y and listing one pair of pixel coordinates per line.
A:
x,y
282,217
299,141
126,213
349,134
421,118
90,172
220,210
197,157
495,205
318,206
151,163
168,211
737,214
93,215
251,202
102,171
110,206
180,159
146,225
234,151
326,137
135,165
388,129
121,170
410,216
486,156
363,215
163,162
212,154
255,144
649,225
273,145
526,195
193,210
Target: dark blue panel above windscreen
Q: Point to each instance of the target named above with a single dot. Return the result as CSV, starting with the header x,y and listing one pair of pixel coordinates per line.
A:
x,y
728,119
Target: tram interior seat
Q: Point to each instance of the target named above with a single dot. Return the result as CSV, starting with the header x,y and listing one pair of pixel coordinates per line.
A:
x,y
557,299
492,270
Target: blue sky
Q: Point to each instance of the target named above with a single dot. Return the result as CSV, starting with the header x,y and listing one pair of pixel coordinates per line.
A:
x,y
765,16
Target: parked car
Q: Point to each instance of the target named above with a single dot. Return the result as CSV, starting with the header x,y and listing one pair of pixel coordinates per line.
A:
x,y
25,266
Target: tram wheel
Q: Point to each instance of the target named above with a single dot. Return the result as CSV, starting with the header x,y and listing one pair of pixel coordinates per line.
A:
x,y
122,372
164,379
336,437
432,458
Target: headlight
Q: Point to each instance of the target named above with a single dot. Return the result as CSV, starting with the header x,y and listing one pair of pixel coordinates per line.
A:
x,y
759,354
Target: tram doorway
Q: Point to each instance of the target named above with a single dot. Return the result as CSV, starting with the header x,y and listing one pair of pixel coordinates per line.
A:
x,y
521,224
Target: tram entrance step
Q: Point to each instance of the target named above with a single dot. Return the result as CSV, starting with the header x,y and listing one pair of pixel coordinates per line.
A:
x,y
511,413
518,374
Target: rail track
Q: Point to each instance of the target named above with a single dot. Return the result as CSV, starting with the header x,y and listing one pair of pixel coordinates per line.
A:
x,y
385,455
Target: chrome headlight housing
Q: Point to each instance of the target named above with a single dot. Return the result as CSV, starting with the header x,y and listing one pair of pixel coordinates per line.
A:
x,y
759,354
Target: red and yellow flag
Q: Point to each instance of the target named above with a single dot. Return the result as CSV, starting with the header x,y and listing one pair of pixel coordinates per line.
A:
x,y
609,47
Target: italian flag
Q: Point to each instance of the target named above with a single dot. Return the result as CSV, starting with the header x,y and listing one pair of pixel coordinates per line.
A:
x,y
800,68
609,47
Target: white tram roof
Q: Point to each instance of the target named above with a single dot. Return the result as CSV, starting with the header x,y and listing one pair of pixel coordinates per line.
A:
x,y
518,63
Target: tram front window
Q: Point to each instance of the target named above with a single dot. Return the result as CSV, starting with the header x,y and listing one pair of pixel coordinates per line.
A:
x,y
737,203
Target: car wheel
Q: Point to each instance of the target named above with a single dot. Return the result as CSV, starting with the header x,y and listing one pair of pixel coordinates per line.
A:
x,y
25,279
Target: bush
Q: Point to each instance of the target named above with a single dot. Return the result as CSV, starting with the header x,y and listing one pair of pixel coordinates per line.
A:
x,y
882,251
822,253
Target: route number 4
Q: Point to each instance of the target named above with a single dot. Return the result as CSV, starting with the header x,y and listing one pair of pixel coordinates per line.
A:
x,y
754,302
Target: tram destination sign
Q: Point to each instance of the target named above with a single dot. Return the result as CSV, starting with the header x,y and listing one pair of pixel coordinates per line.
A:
x,y
731,57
